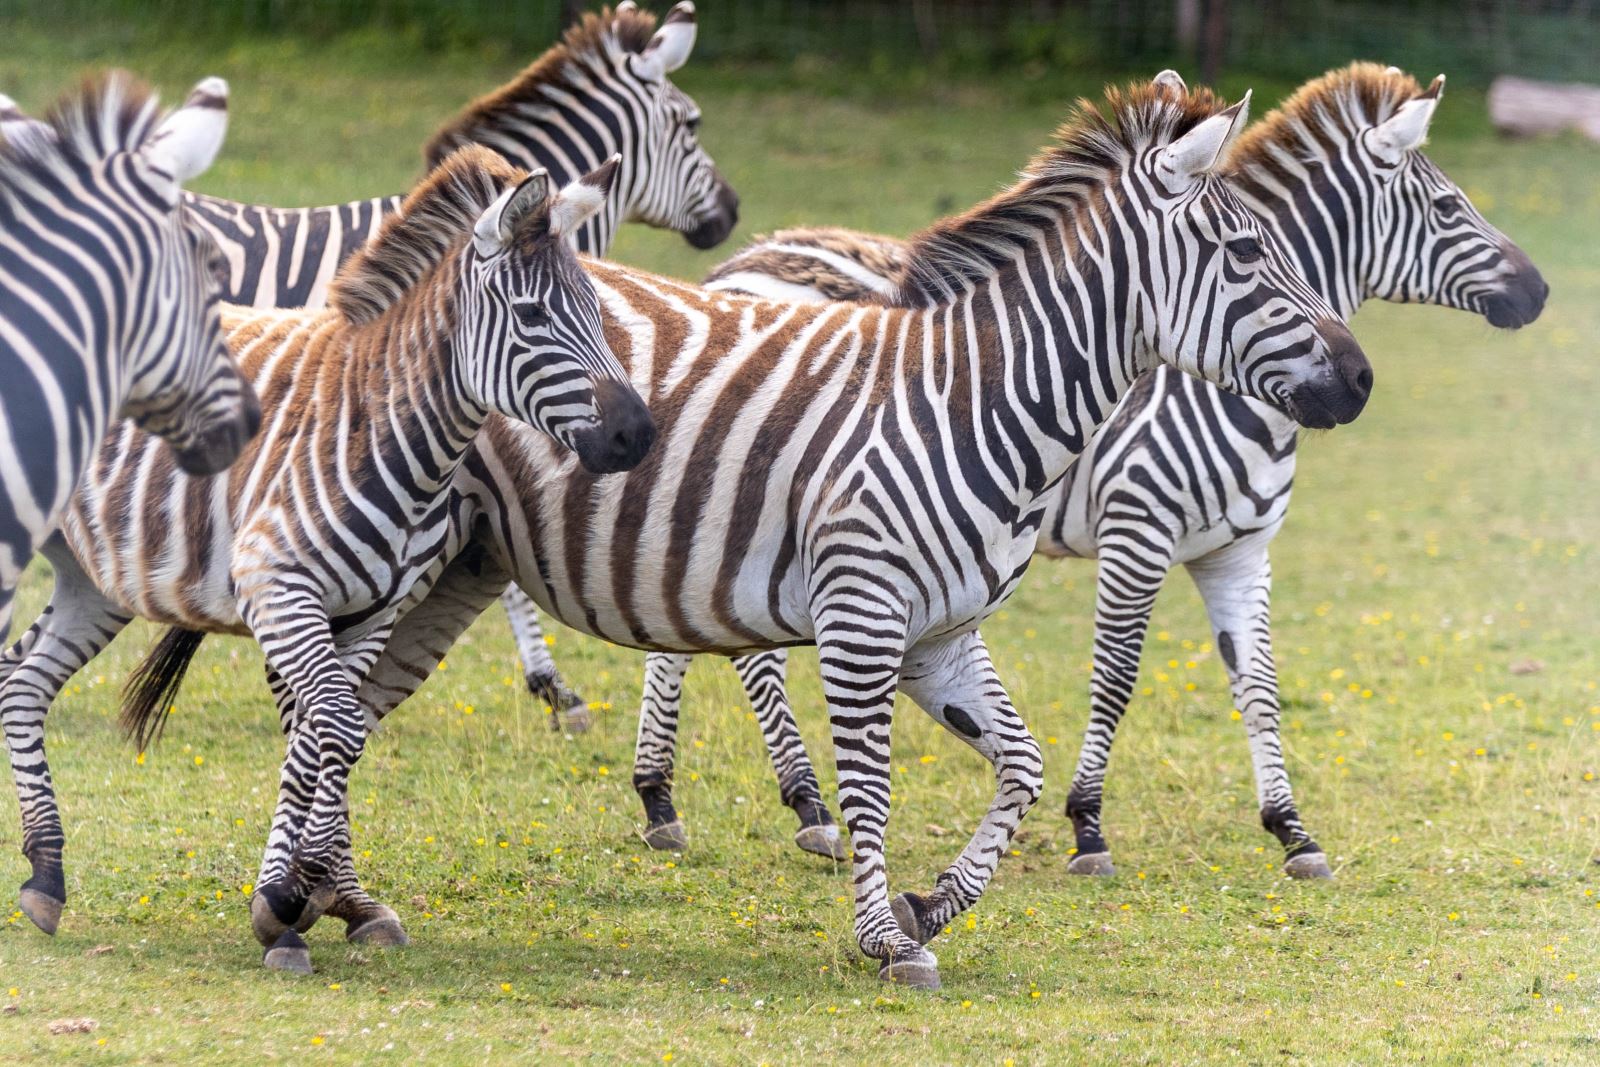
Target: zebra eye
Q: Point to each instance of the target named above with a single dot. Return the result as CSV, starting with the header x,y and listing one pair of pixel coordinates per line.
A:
x,y
531,314
693,123
1245,249
1447,206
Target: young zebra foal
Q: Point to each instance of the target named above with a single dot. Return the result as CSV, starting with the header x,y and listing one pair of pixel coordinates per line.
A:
x,y
110,300
469,303
871,479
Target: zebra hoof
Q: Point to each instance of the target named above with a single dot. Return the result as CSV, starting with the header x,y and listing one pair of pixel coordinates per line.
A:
x,y
1092,863
320,900
822,841
1308,865
383,930
288,954
908,910
42,911
668,837
918,971
576,719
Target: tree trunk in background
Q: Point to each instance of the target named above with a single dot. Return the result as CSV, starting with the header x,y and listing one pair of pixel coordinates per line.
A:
x,y
927,27
571,12
1186,23
1214,46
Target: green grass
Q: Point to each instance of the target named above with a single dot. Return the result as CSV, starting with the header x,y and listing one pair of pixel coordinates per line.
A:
x,y
1443,541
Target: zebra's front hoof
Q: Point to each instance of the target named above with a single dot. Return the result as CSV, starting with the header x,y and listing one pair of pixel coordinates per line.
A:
x,y
273,912
822,841
668,837
919,970
383,930
576,719
42,910
910,914
289,954
317,904
1092,863
1308,865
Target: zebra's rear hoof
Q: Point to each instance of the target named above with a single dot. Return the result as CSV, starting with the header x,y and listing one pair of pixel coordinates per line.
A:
x,y
917,971
289,954
668,837
42,911
1308,865
1093,863
822,841
908,910
320,900
383,930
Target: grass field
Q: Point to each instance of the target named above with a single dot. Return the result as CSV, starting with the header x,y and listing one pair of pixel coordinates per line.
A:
x,y
1438,595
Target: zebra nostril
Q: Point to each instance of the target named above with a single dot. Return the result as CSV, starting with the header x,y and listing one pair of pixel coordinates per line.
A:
x,y
1364,381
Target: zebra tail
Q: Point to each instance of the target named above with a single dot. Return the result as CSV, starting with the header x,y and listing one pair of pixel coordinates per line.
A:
x,y
155,684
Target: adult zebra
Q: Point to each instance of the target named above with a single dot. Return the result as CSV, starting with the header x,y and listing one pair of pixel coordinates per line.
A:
x,y
110,306
1184,473
603,90
871,479
470,302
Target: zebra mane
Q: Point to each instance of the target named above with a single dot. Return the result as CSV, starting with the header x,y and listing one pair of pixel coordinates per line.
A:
x,y
597,41
436,219
1323,113
108,113
1087,153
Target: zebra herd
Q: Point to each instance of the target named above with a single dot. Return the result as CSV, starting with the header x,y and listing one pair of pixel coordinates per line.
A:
x,y
417,405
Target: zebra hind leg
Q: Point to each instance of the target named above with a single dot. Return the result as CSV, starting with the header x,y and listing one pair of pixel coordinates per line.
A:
x,y
955,682
76,626
1125,595
1236,585
764,676
655,751
568,710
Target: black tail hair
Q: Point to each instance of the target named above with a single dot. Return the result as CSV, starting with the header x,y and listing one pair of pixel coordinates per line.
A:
x,y
155,684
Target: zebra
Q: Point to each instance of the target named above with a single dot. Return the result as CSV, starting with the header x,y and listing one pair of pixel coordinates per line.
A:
x,y
1184,473
871,480
110,306
603,89
470,302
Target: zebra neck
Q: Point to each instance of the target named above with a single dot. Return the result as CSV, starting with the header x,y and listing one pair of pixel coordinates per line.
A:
x,y
1319,214
405,392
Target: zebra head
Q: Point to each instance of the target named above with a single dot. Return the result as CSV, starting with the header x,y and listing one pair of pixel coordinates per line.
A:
x,y
537,351
1223,301
672,182
1429,244
179,380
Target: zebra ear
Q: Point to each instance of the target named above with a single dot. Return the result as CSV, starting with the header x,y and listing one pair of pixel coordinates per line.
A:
x,y
578,202
1204,148
1171,79
493,230
1407,128
189,138
25,135
669,49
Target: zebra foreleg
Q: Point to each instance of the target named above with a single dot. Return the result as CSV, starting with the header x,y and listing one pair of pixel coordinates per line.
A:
x,y
1236,585
76,626
568,710
1125,595
955,682
860,642
655,750
765,679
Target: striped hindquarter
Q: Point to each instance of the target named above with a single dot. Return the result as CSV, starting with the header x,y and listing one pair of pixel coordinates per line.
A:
x,y
865,479
1185,473
470,302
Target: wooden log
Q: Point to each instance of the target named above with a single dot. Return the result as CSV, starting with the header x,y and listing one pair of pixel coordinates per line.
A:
x,y
1520,107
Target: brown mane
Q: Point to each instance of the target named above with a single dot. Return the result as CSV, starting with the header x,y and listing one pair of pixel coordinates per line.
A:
x,y
1325,110
1088,149
593,39
436,218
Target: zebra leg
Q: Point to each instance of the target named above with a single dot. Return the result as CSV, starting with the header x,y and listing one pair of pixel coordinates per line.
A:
x,y
655,750
567,709
76,626
954,680
1125,594
1236,585
860,643
764,676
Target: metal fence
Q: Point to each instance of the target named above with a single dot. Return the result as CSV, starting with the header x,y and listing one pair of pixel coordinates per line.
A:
x,y
1473,39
